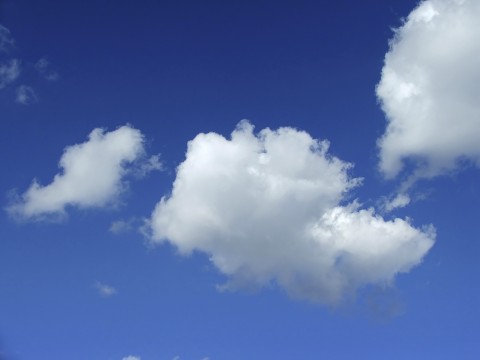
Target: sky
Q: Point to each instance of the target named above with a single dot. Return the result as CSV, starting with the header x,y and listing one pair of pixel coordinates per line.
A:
x,y
239,180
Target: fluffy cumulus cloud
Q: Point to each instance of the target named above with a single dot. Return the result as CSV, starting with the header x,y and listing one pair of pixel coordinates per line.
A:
x,y
91,175
271,208
429,90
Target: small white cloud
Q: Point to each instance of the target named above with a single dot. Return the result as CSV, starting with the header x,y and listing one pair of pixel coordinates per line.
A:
x,y
399,201
105,290
121,226
6,39
268,208
92,175
9,72
429,91
153,163
43,68
131,357
26,95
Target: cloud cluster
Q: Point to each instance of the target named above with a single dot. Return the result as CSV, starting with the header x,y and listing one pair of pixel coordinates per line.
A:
x,y
44,69
429,90
269,207
91,176
11,69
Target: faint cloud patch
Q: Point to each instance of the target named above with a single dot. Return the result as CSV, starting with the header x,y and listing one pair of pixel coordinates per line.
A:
x,y
11,69
9,72
383,303
6,39
44,69
105,290
26,95
131,357
122,226
145,167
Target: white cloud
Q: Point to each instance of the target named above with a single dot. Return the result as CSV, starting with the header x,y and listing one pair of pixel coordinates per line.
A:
x,y
26,95
105,290
91,176
399,201
6,39
153,163
429,90
268,208
43,68
9,72
131,357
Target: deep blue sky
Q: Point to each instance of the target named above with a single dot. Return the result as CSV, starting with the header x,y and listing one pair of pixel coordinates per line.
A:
x,y
173,69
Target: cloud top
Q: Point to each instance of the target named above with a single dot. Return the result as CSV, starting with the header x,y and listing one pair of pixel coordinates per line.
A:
x,y
268,208
429,90
91,175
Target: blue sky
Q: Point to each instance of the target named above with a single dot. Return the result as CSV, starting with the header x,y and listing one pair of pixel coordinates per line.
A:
x,y
269,243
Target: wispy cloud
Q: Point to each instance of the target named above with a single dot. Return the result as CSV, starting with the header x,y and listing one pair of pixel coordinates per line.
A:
x,y
105,290
122,226
398,201
267,207
26,95
429,92
9,72
145,167
131,357
44,69
6,40
92,175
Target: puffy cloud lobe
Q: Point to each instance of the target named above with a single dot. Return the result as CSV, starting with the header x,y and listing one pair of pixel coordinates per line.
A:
x,y
267,207
131,357
429,89
91,175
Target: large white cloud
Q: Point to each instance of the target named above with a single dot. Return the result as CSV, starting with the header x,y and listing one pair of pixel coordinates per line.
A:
x,y
429,90
92,175
268,208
